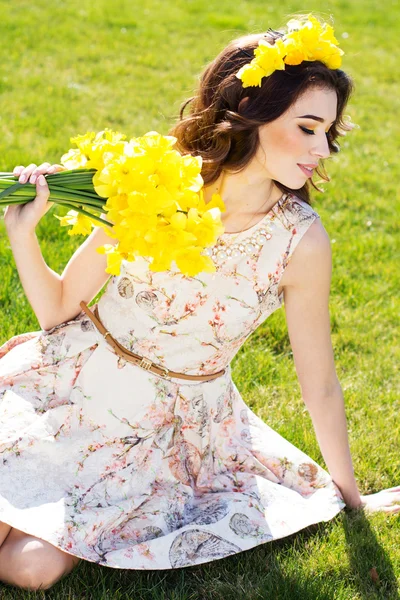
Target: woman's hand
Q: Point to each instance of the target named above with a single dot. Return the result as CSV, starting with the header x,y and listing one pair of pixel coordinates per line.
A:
x,y
25,217
387,501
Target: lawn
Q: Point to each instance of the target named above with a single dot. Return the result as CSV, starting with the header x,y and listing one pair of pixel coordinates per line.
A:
x,y
68,67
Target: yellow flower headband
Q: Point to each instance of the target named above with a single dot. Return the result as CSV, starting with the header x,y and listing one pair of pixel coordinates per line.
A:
x,y
309,40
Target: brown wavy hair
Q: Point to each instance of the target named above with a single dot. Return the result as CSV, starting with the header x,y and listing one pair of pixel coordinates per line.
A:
x,y
226,137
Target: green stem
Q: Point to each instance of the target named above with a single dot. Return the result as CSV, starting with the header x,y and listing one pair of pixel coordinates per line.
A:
x,y
65,175
76,206
70,179
56,188
53,188
78,199
20,199
80,186
87,214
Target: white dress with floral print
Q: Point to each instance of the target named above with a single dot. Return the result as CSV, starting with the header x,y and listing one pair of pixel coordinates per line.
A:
x,y
118,466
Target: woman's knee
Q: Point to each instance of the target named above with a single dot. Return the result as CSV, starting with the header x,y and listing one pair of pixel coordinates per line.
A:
x,y
4,531
32,563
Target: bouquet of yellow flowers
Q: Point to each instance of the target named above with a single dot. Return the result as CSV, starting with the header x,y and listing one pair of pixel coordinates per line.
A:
x,y
151,193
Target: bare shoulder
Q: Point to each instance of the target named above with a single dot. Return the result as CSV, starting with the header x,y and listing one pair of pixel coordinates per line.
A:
x,y
312,258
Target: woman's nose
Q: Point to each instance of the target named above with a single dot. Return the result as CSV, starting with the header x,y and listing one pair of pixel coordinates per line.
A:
x,y
322,149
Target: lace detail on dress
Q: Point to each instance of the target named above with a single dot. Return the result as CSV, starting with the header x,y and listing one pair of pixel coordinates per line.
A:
x,y
249,244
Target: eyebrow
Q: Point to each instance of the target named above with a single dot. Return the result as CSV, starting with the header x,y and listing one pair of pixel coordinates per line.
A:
x,y
320,119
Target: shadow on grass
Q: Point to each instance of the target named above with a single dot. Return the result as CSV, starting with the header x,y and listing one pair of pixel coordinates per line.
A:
x,y
370,564
267,572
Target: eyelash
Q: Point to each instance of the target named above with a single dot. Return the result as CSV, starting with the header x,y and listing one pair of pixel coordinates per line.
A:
x,y
310,131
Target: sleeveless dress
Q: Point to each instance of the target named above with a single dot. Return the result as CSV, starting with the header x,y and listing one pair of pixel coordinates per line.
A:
x,y
123,468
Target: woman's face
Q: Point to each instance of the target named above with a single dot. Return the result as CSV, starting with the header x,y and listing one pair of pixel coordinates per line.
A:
x,y
294,141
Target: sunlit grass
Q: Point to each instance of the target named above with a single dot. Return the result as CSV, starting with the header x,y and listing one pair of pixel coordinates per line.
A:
x,y
69,67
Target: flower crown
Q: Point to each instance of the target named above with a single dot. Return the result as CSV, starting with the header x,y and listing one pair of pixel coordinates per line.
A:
x,y
309,40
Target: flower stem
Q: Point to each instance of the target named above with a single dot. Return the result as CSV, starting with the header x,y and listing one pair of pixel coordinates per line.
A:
x,y
87,214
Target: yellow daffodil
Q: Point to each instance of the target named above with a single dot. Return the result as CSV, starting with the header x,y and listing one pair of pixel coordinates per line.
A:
x,y
215,202
331,56
295,53
84,142
190,261
74,159
92,149
179,220
251,74
114,258
81,224
269,56
191,172
155,145
169,171
309,34
209,227
328,36
305,40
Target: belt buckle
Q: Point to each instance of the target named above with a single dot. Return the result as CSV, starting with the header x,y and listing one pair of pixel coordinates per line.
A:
x,y
146,364
166,371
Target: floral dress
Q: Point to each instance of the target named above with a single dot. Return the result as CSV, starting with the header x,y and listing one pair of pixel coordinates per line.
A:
x,y
124,468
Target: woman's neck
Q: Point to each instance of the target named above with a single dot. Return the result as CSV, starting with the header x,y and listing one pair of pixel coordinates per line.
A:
x,y
245,193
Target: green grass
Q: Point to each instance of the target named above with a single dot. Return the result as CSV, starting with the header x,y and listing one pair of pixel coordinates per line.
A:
x,y
69,67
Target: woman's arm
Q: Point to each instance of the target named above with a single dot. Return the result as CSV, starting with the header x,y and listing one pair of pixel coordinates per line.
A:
x,y
306,298
54,298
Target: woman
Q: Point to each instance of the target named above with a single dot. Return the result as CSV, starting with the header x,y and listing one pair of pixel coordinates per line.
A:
x,y
165,466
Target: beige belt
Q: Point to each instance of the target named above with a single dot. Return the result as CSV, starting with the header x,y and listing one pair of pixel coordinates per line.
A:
x,y
138,360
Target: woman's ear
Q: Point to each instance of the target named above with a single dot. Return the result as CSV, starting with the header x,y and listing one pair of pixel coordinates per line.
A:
x,y
243,103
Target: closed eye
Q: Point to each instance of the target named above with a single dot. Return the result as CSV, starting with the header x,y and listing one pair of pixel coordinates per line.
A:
x,y
311,132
